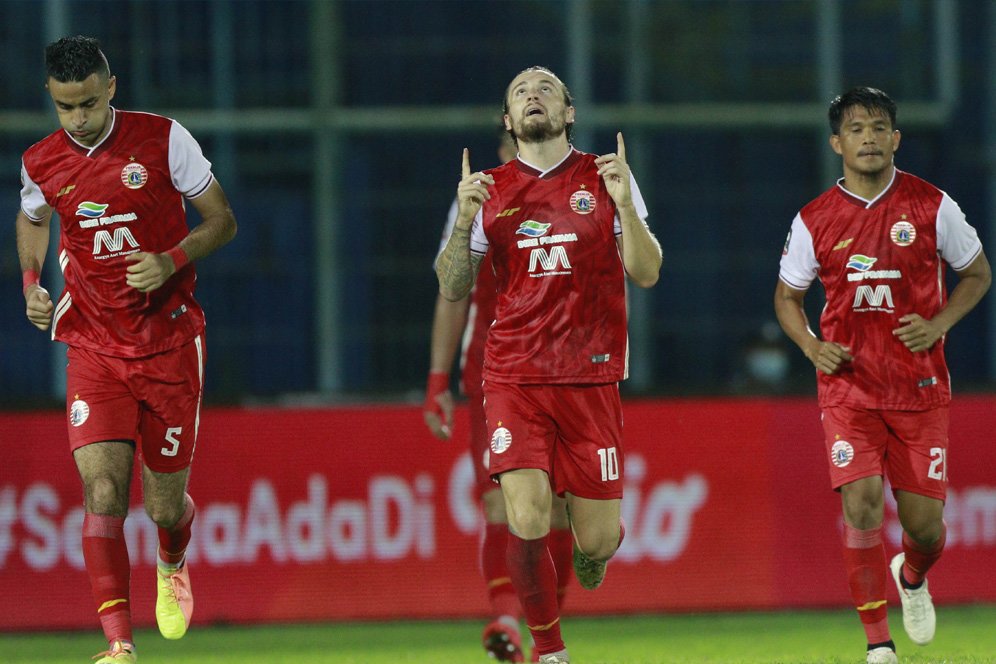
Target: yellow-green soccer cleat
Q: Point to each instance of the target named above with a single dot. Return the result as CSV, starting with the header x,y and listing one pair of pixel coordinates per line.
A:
x,y
589,573
174,603
121,652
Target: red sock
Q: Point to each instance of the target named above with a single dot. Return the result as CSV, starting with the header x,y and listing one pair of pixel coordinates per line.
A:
x,y
173,542
105,553
561,544
920,558
535,580
867,574
501,593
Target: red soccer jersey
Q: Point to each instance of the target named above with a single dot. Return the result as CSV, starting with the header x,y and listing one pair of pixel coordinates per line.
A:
x,y
560,316
117,198
879,260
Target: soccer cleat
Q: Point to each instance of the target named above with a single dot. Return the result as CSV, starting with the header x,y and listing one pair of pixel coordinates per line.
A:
x,y
590,573
502,642
882,655
919,619
174,603
121,652
560,657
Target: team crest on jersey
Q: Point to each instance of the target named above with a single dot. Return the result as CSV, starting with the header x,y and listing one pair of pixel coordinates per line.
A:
x,y
841,453
583,201
134,175
903,233
501,440
79,412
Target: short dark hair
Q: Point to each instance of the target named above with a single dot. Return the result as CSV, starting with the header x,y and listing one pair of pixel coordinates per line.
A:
x,y
872,99
73,59
568,99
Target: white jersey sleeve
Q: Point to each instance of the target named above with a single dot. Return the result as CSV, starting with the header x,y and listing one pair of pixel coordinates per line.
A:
x,y
638,203
478,240
798,265
33,203
957,241
188,168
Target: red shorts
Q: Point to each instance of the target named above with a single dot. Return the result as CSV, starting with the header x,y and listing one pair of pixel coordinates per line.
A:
x,y
573,432
153,402
480,447
910,448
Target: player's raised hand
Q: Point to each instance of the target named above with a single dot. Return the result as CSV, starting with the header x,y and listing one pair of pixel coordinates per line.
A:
x,y
828,356
919,333
38,304
471,192
147,271
615,172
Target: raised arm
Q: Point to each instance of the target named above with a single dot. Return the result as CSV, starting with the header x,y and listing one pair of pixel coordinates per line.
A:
x,y
456,267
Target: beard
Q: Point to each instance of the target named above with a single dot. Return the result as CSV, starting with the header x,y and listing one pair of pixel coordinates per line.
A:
x,y
537,131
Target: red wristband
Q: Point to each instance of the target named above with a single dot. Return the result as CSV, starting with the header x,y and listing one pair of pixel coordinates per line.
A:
x,y
29,278
179,257
439,382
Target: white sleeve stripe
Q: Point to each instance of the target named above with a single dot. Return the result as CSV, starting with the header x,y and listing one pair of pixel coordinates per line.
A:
x,y
788,281
199,191
961,265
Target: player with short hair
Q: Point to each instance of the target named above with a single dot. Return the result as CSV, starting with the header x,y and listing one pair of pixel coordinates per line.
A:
x,y
469,319
876,241
563,228
118,181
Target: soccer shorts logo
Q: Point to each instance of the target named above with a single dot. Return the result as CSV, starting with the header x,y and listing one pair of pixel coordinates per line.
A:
x,y
501,440
79,412
841,453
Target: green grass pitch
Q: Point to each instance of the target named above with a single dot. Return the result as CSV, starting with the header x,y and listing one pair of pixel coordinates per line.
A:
x,y
965,634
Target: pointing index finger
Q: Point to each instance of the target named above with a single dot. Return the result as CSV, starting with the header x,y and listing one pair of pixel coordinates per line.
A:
x,y
466,162
620,146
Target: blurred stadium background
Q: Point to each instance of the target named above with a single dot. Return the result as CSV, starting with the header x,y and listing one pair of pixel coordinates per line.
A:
x,y
336,129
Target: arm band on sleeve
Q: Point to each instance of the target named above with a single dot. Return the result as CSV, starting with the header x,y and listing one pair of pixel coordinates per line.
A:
x,y
179,257
29,278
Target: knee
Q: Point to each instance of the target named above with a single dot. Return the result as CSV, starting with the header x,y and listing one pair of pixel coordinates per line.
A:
x,y
106,496
598,544
529,521
165,515
925,532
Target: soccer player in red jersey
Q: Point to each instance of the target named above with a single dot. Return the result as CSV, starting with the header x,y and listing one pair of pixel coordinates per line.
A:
x,y
469,319
118,181
876,241
563,229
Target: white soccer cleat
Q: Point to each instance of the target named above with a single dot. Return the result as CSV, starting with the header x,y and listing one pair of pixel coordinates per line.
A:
x,y
882,655
919,619
559,657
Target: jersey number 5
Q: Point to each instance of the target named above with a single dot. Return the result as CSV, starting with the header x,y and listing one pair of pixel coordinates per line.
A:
x,y
171,438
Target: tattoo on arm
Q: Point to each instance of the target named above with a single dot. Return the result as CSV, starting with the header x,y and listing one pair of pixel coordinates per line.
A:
x,y
457,267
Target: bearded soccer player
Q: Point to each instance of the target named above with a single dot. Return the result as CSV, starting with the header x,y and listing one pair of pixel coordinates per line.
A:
x,y
469,319
876,241
118,181
563,229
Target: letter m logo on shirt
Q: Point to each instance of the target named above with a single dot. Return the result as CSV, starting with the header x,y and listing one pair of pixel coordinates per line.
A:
x,y
549,262
104,240
873,297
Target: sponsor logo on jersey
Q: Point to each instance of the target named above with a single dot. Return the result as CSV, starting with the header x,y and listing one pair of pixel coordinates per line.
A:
x,y
79,411
532,228
507,212
842,244
134,176
903,233
878,298
65,190
501,439
583,202
841,453
863,265
91,210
